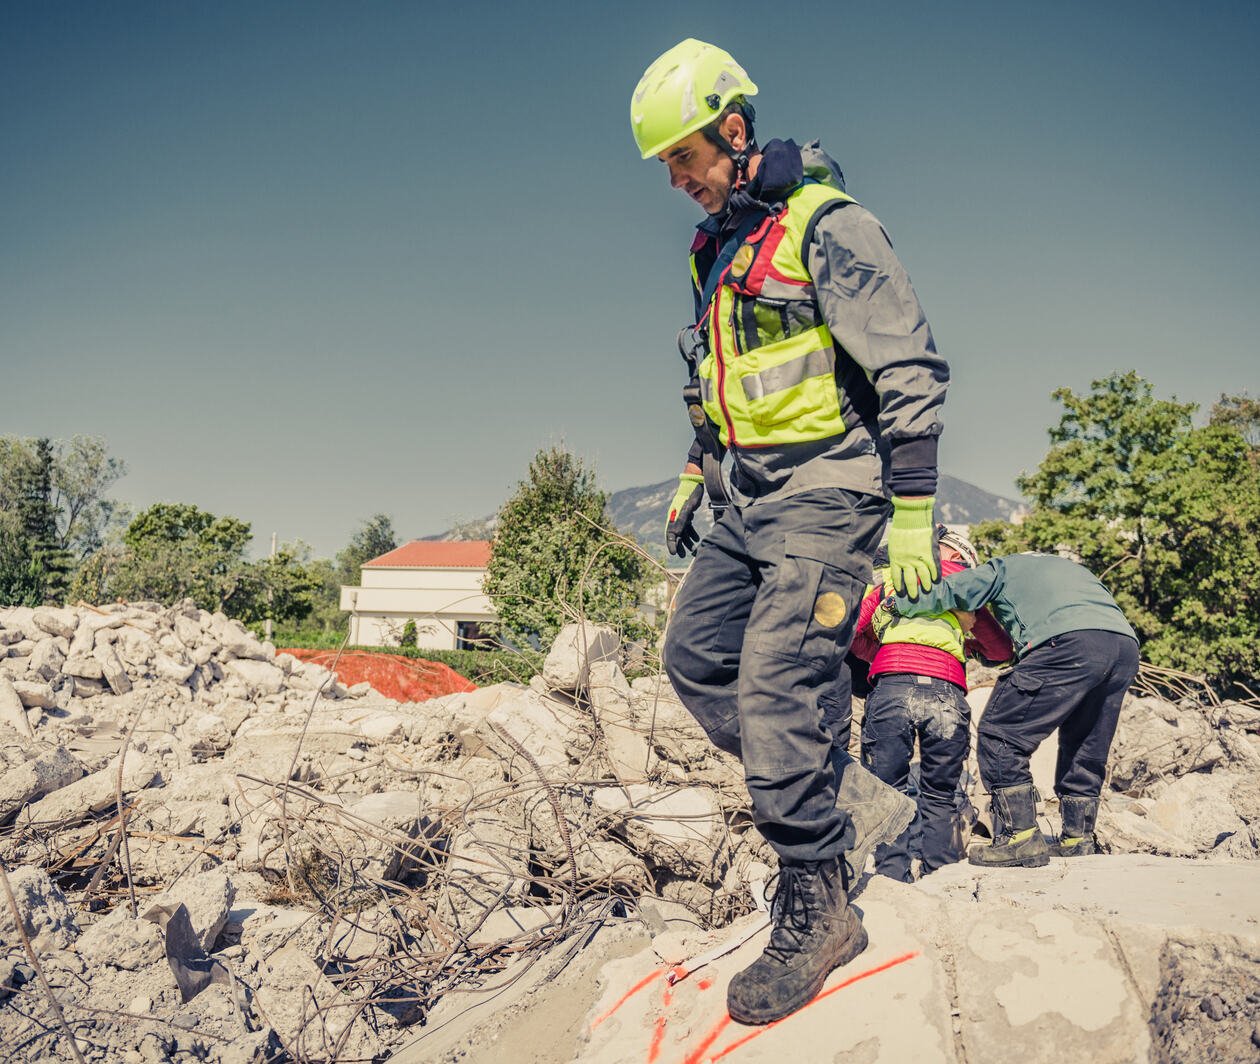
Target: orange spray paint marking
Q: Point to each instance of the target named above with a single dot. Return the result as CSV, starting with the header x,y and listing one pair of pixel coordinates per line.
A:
x,y
697,1054
658,1031
704,984
627,996
826,993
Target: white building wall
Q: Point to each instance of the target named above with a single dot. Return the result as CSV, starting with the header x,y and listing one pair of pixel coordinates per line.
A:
x,y
436,599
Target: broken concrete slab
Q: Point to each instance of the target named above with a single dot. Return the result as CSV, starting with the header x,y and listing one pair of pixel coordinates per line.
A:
x,y
539,725
536,1011
1161,740
35,695
77,801
677,828
56,622
262,676
577,647
13,708
208,897
1197,808
119,940
45,914
1027,980
30,769
112,670
46,660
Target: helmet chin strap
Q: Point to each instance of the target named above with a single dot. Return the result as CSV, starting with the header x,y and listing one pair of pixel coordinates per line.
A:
x,y
739,157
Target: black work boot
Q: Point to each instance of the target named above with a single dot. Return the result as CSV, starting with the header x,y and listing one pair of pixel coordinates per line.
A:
x,y
1079,817
815,931
1016,840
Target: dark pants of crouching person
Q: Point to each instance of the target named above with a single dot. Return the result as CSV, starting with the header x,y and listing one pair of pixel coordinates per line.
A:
x,y
902,708
1074,683
760,627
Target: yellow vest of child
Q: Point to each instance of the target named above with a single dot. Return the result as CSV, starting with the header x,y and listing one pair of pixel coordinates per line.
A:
x,y
942,631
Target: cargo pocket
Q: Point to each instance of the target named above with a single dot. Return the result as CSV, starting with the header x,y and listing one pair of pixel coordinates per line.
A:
x,y
1012,703
817,592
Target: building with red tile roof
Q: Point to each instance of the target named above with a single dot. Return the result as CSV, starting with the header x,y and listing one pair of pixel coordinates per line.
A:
x,y
435,554
436,583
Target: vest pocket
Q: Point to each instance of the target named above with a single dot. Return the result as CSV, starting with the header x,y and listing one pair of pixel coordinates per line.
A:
x,y
793,382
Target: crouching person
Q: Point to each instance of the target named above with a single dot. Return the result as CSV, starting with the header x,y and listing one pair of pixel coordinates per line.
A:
x,y
1076,657
920,683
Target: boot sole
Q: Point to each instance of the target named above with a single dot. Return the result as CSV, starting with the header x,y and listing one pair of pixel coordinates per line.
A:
x,y
1074,851
852,948
1039,861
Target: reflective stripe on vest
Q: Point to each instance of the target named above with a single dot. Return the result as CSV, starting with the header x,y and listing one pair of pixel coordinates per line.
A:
x,y
942,631
769,378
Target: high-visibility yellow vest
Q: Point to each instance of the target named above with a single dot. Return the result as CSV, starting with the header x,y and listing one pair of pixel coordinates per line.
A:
x,y
769,378
942,631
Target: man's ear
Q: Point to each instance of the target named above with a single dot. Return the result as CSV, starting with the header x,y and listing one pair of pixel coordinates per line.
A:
x,y
735,130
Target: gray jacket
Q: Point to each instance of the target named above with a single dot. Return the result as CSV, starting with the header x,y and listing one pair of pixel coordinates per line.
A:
x,y
1034,597
891,379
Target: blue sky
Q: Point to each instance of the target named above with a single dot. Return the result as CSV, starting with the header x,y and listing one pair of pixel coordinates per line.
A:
x,y
304,262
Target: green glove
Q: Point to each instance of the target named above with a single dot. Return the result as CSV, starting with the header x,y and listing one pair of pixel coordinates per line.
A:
x,y
912,545
680,533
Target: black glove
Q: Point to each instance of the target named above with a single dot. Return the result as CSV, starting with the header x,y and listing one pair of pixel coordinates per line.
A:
x,y
681,536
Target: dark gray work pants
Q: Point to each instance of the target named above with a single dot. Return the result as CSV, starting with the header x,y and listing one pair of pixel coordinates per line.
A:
x,y
904,707
1074,682
760,628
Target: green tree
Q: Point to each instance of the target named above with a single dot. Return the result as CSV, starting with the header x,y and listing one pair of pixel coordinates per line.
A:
x,y
35,565
82,474
409,634
54,513
1240,412
555,555
376,536
21,576
326,614
1163,511
176,550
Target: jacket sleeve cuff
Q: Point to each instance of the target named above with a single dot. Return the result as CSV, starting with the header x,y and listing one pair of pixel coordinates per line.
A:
x,y
912,466
696,454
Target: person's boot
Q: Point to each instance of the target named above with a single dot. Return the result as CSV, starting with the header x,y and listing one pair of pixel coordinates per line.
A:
x,y
1079,817
814,930
1017,842
880,813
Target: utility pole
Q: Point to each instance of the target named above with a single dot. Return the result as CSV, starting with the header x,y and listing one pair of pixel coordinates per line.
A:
x,y
267,622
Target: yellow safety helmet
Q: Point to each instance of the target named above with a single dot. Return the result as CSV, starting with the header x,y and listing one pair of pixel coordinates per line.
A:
x,y
683,91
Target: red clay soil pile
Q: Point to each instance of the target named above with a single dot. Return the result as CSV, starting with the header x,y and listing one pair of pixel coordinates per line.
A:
x,y
397,677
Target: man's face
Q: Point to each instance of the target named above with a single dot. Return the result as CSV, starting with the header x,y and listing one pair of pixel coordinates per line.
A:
x,y
701,169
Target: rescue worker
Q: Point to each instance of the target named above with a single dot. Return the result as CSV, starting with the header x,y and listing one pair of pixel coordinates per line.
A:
x,y
1076,656
918,668
812,367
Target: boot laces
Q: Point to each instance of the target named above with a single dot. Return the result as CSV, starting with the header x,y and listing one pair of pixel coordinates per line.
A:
x,y
797,900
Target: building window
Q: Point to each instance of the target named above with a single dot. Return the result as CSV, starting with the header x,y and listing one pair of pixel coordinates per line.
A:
x,y
469,635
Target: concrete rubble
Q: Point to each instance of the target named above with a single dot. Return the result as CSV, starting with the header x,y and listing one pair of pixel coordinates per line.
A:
x,y
323,874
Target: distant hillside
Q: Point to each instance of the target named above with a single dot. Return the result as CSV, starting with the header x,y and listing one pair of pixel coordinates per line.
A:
x,y
640,512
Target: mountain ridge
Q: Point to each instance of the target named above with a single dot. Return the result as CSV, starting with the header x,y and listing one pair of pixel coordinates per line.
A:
x,y
640,512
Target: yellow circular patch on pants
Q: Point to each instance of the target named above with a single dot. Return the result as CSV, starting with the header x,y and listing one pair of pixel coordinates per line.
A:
x,y
829,609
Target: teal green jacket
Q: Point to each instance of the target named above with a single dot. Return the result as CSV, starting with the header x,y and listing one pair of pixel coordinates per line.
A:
x,y
1034,597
